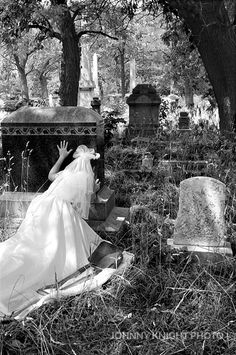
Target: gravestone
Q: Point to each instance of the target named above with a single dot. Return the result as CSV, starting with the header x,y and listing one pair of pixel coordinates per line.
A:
x,y
132,75
31,135
184,120
95,75
96,104
144,106
200,225
88,83
34,133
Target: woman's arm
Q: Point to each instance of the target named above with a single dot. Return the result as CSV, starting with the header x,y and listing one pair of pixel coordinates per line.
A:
x,y
63,153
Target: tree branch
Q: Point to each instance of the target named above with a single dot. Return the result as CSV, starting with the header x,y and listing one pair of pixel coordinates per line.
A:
x,y
45,29
79,35
75,13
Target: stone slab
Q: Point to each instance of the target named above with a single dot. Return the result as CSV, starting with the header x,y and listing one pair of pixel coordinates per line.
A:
x,y
224,250
102,204
114,222
51,117
15,204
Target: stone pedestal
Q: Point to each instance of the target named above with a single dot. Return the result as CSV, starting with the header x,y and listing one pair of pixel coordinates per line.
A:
x,y
200,224
144,105
31,135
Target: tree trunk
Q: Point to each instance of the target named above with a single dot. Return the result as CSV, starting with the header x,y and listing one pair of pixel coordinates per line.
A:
x,y
43,86
24,84
122,71
215,39
70,62
22,76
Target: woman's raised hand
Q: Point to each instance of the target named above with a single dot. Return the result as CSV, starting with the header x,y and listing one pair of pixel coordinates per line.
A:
x,y
62,148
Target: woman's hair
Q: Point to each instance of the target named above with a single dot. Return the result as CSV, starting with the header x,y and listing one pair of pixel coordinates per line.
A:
x,y
81,162
85,152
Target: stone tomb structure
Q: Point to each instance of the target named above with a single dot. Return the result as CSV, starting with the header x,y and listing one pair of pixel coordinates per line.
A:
x,y
31,135
200,225
144,106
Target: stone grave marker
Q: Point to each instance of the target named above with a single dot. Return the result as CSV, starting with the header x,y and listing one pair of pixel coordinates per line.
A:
x,y
200,224
132,75
38,131
144,106
88,84
184,121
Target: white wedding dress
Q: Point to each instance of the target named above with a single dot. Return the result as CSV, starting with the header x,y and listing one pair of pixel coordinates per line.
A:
x,y
52,242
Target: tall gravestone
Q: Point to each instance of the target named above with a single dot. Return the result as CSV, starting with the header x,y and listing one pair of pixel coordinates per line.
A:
x,y
31,135
200,224
144,105
95,75
132,69
88,84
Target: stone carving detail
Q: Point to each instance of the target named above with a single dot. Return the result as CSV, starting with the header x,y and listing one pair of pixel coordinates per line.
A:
x,y
49,130
39,130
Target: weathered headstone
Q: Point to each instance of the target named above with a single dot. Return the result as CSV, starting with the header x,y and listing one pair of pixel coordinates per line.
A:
x,y
40,130
144,106
200,224
36,131
184,120
95,75
87,85
132,80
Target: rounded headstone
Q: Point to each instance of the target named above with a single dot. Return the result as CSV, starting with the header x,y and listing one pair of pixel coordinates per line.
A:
x,y
200,220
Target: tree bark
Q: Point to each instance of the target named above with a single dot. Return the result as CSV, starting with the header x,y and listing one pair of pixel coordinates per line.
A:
x,y
70,62
215,38
43,86
22,76
122,70
43,80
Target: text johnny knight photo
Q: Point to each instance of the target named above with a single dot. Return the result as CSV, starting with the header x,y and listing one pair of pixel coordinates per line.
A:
x,y
132,335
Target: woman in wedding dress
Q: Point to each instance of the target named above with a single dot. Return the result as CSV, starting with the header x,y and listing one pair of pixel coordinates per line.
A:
x,y
53,240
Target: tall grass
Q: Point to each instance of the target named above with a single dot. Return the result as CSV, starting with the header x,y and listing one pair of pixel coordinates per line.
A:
x,y
167,302
8,223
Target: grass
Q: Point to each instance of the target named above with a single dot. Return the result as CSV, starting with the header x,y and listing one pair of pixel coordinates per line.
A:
x,y
166,303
